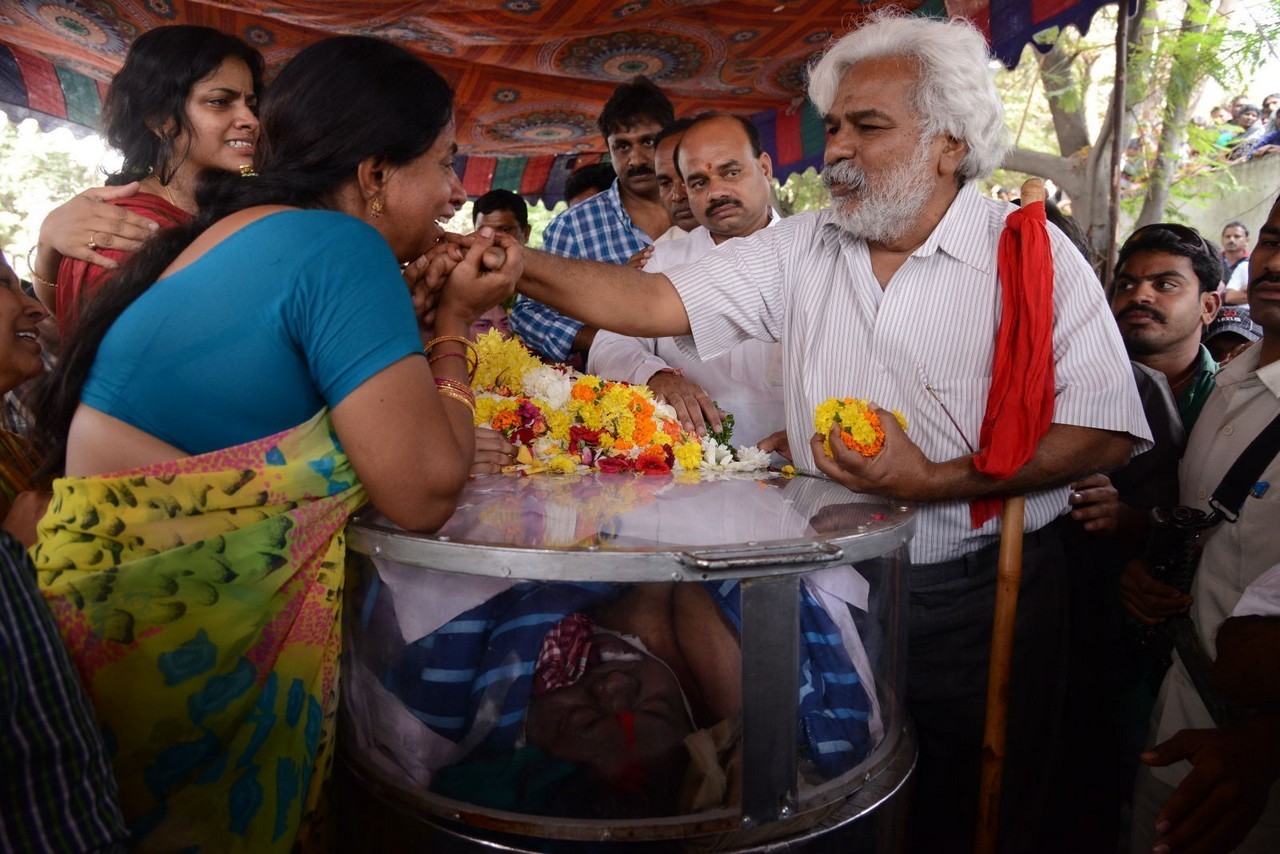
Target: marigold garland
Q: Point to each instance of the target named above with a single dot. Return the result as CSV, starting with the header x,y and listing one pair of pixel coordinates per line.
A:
x,y
565,421
860,428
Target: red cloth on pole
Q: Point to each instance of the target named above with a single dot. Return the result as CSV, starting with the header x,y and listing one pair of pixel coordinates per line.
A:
x,y
1020,403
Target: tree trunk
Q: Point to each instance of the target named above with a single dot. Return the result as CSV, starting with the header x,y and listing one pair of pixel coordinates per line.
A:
x,y
1185,81
1068,119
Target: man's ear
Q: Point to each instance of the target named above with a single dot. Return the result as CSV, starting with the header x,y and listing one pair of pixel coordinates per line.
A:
x,y
953,153
1210,302
766,164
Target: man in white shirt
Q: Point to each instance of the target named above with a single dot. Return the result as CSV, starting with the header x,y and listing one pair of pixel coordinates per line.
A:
x,y
893,294
726,177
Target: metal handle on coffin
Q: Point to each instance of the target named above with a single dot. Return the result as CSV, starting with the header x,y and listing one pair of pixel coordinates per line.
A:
x,y
724,560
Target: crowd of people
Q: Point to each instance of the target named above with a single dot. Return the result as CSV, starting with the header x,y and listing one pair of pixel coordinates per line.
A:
x,y
1245,129
263,327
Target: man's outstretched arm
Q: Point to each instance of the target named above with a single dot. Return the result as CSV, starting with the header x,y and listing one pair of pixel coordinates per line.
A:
x,y
609,296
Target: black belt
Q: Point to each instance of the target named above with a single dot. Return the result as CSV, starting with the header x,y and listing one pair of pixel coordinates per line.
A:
x,y
983,560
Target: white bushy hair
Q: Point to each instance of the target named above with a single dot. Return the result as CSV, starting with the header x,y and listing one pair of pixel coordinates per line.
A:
x,y
956,93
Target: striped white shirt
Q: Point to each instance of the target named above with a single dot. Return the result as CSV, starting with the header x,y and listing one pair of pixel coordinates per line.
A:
x,y
809,284
746,381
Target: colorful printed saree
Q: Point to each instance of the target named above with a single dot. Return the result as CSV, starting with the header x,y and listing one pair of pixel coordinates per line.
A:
x,y
201,600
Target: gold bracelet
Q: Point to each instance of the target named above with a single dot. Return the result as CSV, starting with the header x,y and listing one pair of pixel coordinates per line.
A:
x,y
35,277
450,393
461,388
475,354
471,365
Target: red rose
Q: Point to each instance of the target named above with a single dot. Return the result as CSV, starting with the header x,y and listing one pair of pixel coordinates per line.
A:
x,y
615,464
650,464
579,435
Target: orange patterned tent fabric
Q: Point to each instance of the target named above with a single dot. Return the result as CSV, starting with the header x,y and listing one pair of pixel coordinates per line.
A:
x,y
530,75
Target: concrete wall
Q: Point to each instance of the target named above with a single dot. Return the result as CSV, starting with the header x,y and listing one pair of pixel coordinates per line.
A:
x,y
1257,185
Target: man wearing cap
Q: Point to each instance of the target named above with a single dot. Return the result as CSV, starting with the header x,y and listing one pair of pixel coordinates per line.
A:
x,y
1230,333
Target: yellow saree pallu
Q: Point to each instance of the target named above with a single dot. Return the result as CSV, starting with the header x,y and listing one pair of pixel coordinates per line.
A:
x,y
200,599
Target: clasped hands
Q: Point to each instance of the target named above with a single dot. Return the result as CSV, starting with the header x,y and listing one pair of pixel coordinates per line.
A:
x,y
468,272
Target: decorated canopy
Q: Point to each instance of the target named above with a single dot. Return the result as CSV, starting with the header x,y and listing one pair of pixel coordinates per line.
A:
x,y
531,76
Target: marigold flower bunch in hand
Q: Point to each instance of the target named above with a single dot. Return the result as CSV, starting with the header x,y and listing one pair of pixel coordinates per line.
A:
x,y
860,428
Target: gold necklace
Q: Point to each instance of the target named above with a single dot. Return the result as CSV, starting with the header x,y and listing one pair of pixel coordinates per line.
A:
x,y
165,188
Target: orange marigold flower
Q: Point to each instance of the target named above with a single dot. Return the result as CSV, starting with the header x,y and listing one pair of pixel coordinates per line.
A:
x,y
643,432
506,420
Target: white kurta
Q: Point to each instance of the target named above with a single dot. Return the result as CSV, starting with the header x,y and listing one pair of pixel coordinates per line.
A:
x,y
746,380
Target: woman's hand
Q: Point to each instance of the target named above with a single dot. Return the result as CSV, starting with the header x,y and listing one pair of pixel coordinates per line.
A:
x,y
76,228
493,452
425,278
482,279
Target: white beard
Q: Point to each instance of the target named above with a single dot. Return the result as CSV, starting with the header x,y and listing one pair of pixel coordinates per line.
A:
x,y
882,210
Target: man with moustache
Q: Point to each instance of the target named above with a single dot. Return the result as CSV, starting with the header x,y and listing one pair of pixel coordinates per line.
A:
x,y
1207,788
611,226
727,174
892,294
1235,257
671,189
1164,295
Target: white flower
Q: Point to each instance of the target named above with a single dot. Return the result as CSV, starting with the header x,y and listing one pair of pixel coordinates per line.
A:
x,y
750,458
549,384
664,410
718,457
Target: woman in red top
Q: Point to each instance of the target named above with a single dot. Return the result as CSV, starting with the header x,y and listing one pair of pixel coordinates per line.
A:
x,y
185,101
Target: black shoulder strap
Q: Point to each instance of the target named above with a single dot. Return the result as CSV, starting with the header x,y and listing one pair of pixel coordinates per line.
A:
x,y
1230,495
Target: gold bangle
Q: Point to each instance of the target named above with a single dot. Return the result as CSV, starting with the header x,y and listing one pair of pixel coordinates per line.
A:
x,y
475,354
471,365
450,393
461,388
35,277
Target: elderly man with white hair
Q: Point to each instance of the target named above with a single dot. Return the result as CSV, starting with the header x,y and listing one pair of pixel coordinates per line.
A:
x,y
893,294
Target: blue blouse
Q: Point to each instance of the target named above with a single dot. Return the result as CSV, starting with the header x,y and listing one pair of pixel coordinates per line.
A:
x,y
287,315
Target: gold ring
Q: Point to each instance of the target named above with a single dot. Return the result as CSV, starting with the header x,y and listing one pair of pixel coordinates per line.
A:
x,y
93,244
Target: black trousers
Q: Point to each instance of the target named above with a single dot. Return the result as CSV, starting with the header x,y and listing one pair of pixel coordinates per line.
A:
x,y
951,608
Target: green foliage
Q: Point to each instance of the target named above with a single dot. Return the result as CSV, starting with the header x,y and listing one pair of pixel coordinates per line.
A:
x,y
726,427
802,191
37,172
1177,49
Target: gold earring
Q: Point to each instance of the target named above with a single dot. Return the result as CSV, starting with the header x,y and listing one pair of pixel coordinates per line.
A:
x,y
376,207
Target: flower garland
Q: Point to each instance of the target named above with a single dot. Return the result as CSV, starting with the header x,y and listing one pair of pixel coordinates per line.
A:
x,y
564,421
860,428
